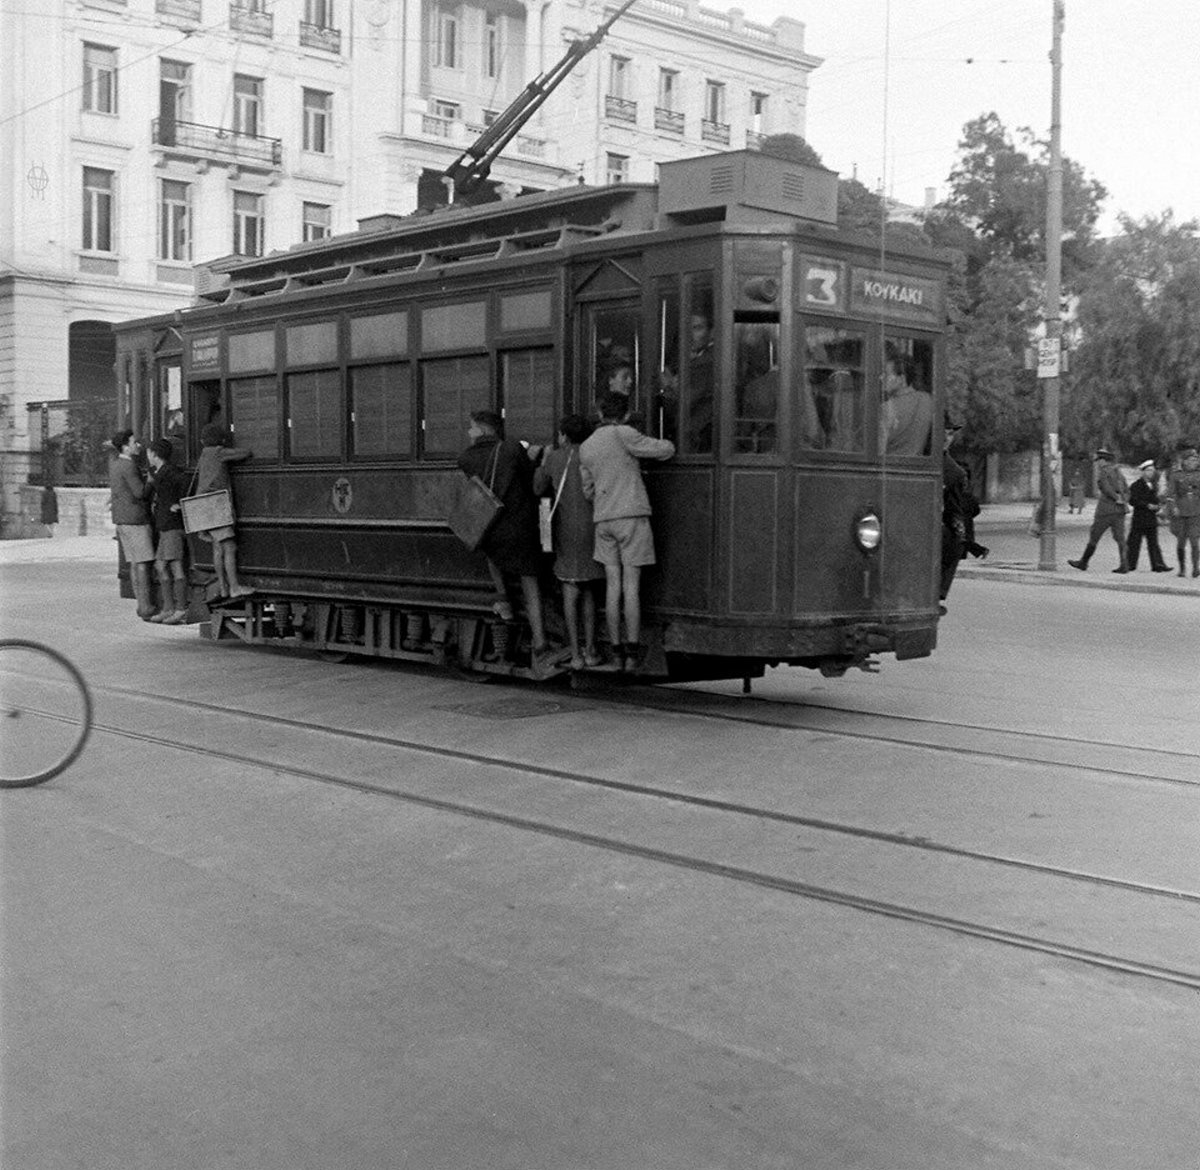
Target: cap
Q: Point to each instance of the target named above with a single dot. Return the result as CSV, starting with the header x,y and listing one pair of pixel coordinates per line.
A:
x,y
1146,465
950,423
1103,453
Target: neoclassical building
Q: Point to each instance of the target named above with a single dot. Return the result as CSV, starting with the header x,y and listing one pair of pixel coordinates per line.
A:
x,y
141,139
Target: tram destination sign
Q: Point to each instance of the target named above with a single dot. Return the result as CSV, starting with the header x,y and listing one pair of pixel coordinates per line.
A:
x,y
204,352
902,298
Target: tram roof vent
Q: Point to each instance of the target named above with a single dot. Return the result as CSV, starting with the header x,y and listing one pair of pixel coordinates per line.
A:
x,y
739,186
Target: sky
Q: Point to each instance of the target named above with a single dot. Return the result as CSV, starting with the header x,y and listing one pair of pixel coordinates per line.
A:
x,y
1130,89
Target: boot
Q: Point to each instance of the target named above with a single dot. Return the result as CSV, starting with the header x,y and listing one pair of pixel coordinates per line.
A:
x,y
1123,567
1082,563
179,616
166,609
141,590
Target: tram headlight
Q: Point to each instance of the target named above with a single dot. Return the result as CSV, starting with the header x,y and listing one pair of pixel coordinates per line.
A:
x,y
868,531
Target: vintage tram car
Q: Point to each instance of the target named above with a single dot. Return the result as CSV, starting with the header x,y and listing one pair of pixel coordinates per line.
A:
x,y
757,334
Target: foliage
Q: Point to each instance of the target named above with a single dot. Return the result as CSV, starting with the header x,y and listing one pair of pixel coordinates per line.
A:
x,y
1135,379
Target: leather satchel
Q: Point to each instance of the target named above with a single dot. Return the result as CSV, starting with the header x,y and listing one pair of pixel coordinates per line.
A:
x,y
476,508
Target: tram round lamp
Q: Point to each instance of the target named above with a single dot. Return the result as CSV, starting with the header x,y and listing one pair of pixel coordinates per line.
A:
x,y
868,531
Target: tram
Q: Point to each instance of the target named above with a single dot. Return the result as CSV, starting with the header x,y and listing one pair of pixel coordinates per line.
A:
x,y
759,338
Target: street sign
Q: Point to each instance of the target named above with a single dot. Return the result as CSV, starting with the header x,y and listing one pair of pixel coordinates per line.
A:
x,y
1049,354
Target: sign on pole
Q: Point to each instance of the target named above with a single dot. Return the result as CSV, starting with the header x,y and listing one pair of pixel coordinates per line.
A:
x,y
1049,354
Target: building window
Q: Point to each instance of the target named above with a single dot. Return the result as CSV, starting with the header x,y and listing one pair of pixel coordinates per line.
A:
x,y
451,111
97,210
317,121
491,45
247,224
319,12
668,89
175,90
247,104
318,219
99,79
617,168
445,42
714,101
175,221
758,112
489,116
618,77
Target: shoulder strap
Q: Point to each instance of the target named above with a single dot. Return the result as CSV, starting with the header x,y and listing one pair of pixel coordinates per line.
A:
x,y
562,483
495,464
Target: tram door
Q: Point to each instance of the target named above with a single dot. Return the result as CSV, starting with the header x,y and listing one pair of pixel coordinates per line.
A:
x,y
204,406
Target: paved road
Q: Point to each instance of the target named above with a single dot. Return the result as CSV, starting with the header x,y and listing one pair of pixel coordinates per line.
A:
x,y
210,962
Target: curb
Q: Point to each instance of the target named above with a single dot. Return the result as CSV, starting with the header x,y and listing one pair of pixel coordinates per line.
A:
x,y
1027,573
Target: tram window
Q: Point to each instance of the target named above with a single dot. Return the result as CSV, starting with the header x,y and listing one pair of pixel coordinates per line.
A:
x,y
666,421
315,413
527,394
906,416
170,390
613,348
756,386
698,370
451,388
254,407
382,410
832,410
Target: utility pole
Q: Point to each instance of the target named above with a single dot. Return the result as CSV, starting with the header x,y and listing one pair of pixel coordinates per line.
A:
x,y
1050,356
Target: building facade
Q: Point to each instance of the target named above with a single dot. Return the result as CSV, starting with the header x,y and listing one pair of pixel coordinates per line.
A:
x,y
141,139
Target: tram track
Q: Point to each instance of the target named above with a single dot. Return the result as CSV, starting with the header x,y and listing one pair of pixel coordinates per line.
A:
x,y
685,859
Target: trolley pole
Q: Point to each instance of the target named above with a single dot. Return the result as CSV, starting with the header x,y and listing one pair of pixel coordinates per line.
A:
x,y
1050,355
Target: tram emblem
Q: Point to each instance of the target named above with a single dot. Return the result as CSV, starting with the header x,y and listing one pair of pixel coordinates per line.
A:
x,y
342,495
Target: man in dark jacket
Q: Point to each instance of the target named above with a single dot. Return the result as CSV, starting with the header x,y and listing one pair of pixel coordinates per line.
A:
x,y
1143,525
954,509
512,544
1110,511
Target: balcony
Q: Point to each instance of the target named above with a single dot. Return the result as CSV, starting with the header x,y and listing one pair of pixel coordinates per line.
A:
x,y
754,140
533,147
619,109
437,126
315,36
187,11
244,17
669,120
217,144
712,131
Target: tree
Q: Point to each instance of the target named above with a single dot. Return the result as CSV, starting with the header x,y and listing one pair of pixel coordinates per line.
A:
x,y
1135,378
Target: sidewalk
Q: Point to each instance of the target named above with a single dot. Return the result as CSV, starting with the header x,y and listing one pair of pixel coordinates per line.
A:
x,y
99,546
1014,555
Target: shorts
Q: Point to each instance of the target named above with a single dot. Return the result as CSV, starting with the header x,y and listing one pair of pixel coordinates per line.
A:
x,y
170,546
217,535
627,541
137,542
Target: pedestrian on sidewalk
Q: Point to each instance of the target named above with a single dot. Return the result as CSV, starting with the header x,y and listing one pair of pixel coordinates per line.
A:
x,y
1184,491
1075,502
1143,524
1110,511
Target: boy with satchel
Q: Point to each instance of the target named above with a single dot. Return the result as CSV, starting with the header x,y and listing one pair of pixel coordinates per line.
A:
x,y
212,474
573,538
169,485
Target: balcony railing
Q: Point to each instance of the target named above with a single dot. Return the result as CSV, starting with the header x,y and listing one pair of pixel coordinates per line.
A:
x,y
669,120
217,142
754,140
316,36
620,109
188,10
244,18
714,131
534,147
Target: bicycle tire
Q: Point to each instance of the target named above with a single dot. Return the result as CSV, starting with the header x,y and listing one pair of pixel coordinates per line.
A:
x,y
85,722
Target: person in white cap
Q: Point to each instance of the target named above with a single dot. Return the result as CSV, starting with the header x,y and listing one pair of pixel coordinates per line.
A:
x,y
1143,525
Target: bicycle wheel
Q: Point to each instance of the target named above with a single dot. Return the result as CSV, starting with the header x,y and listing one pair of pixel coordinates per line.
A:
x,y
45,713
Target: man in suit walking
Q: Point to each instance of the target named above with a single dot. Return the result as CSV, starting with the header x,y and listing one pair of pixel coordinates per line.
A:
x,y
1111,507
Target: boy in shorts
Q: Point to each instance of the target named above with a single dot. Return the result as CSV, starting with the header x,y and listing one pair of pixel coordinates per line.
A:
x,y
131,515
170,485
612,480
212,474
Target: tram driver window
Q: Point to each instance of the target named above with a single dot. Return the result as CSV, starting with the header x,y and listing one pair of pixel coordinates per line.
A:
x,y
613,342
756,385
205,407
686,372
832,407
906,414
